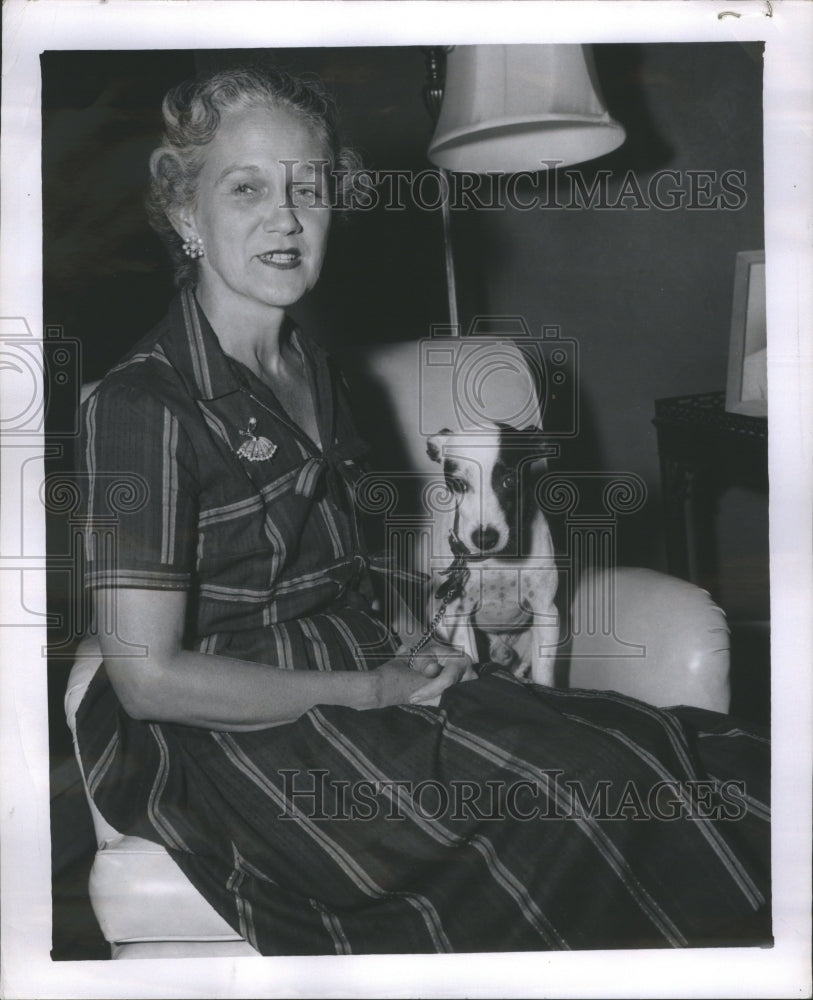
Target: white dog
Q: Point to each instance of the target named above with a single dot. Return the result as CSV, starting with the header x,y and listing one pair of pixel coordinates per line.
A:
x,y
500,535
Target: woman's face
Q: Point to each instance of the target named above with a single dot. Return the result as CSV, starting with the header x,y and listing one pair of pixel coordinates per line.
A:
x,y
263,222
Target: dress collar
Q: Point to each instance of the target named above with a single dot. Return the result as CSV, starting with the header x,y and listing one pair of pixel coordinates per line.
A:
x,y
195,352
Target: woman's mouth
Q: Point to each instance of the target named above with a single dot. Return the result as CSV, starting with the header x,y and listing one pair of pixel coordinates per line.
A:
x,y
283,259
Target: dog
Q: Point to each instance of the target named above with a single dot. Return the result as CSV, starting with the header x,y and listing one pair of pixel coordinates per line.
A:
x,y
503,608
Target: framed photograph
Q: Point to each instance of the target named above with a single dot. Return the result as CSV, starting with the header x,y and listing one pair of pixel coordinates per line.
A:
x,y
747,385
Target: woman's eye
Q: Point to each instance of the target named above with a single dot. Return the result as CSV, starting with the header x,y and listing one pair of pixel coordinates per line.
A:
x,y
305,196
457,485
244,189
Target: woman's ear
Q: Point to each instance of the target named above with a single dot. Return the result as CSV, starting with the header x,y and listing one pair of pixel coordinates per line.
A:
x,y
183,224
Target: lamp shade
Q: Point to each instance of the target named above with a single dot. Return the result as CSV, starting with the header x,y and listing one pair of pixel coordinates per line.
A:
x,y
511,107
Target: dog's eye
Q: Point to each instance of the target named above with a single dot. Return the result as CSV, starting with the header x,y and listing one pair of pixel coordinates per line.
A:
x,y
509,481
457,485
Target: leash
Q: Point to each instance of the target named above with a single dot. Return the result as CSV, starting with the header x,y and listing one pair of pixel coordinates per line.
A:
x,y
453,586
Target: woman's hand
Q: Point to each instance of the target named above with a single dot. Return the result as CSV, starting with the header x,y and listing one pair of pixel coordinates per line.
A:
x,y
428,660
445,665
455,669
396,683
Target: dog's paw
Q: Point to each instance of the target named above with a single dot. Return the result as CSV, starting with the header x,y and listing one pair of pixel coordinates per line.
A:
x,y
508,657
501,653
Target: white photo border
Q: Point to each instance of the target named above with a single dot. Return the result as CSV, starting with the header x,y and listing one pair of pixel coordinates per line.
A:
x,y
786,27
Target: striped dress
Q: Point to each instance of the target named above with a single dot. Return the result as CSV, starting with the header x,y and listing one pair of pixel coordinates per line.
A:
x,y
511,817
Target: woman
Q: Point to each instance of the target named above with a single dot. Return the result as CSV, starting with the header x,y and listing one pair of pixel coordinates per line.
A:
x,y
251,714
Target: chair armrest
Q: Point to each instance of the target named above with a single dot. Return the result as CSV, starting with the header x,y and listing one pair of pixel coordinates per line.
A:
x,y
87,662
650,636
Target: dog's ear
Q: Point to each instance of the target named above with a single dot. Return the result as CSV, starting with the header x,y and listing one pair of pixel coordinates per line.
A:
x,y
535,437
434,445
538,465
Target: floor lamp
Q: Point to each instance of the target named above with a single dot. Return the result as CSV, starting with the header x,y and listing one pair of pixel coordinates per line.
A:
x,y
509,108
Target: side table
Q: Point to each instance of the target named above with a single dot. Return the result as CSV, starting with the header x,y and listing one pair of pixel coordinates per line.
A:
x,y
703,450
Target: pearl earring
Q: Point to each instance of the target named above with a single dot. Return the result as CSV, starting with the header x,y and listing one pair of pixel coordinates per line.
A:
x,y
193,247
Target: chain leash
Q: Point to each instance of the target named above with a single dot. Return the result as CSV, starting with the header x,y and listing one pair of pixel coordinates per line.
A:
x,y
453,587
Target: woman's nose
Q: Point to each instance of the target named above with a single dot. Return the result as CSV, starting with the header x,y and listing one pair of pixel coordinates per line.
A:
x,y
280,216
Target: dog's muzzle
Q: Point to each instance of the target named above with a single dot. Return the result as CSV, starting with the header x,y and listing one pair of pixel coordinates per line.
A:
x,y
459,548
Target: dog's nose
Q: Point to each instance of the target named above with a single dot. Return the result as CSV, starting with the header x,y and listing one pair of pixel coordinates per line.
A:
x,y
485,538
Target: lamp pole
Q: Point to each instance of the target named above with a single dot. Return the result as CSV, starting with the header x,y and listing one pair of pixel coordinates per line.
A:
x,y
433,96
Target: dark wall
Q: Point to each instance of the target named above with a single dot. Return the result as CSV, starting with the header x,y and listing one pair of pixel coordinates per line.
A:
x,y
645,292
106,277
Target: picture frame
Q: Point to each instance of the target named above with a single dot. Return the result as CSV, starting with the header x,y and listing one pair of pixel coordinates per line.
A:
x,y
747,383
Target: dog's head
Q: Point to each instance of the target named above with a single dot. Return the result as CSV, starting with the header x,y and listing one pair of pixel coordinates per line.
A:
x,y
490,477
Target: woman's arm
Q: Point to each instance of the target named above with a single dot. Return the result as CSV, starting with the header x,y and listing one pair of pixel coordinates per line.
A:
x,y
166,683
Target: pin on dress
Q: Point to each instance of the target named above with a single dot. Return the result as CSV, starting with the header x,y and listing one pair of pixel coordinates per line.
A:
x,y
257,448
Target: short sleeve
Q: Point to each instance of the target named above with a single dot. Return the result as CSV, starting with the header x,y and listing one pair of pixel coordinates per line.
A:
x,y
139,488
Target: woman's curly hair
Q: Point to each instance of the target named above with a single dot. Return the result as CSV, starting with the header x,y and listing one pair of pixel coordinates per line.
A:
x,y
192,113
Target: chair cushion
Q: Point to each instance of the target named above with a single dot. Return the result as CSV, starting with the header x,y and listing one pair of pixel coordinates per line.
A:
x,y
139,894
184,949
145,905
87,662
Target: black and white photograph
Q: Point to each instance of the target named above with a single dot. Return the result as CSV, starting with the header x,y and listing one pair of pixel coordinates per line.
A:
x,y
401,562
747,384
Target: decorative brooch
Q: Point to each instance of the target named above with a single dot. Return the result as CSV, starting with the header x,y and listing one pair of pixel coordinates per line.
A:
x,y
257,448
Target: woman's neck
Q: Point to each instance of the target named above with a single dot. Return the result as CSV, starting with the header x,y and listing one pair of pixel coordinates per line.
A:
x,y
251,334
